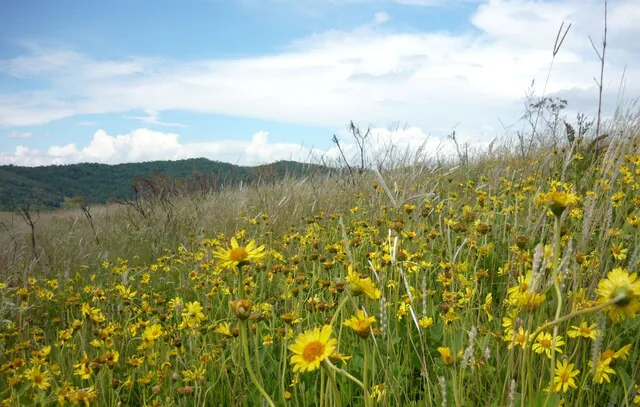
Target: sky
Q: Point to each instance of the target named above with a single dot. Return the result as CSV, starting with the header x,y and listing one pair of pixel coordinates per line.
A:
x,y
254,81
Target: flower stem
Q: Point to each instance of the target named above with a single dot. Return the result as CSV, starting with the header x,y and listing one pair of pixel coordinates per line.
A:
x,y
556,265
573,315
340,306
365,369
332,378
329,365
244,327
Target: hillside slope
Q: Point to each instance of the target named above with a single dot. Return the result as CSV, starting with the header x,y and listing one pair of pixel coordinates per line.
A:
x,y
99,183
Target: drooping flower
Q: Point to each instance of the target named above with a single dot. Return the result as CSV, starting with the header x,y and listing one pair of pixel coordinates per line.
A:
x,y
445,354
360,324
359,285
311,348
558,201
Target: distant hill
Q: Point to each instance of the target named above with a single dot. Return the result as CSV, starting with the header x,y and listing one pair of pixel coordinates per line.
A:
x,y
99,183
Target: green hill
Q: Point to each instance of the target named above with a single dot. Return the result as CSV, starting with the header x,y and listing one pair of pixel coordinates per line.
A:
x,y
99,183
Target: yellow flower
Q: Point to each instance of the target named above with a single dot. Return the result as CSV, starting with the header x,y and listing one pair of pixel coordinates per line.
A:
x,y
359,285
193,375
402,310
620,284
337,357
238,256
564,376
619,252
558,201
378,392
584,331
517,339
223,328
445,354
544,343
151,333
487,306
623,352
602,371
425,322
192,314
39,379
360,324
311,348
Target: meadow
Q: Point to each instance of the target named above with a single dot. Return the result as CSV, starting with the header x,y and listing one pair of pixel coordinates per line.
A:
x,y
506,278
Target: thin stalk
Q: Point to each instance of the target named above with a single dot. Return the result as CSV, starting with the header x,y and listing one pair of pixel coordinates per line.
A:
x,y
365,369
332,379
340,306
575,314
556,264
244,327
329,365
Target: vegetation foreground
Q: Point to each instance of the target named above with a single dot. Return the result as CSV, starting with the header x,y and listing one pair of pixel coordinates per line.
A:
x,y
502,282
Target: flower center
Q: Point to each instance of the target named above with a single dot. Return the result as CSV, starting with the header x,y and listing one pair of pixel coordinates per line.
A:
x,y
546,343
37,378
238,254
312,351
625,296
608,354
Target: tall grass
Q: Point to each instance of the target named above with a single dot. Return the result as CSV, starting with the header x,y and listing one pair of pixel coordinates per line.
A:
x,y
454,248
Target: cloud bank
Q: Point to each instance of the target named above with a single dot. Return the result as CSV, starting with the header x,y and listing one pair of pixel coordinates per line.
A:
x,y
147,145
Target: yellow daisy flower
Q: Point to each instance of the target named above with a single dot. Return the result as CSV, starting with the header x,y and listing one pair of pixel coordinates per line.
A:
x,y
584,331
564,376
311,348
544,344
620,284
38,378
237,256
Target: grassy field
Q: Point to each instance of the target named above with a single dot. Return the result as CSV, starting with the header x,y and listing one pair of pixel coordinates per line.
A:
x,y
507,280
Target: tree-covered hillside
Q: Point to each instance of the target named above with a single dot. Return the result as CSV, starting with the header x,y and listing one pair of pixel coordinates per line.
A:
x,y
99,183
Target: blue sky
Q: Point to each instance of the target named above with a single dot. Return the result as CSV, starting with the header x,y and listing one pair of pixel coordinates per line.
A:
x,y
251,81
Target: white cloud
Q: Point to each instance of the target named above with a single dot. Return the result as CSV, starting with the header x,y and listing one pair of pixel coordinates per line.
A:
x,y
148,145
142,144
153,117
15,134
381,17
371,74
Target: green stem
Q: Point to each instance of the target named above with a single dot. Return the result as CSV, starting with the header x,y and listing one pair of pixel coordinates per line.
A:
x,y
340,306
328,365
556,264
332,378
365,369
322,373
573,315
244,327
